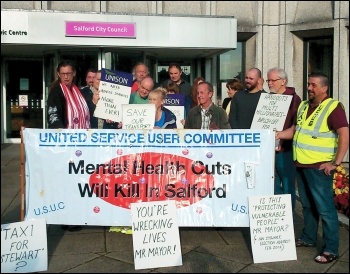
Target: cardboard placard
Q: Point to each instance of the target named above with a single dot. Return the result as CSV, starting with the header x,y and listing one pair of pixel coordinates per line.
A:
x,y
138,116
24,247
155,235
271,228
271,111
115,90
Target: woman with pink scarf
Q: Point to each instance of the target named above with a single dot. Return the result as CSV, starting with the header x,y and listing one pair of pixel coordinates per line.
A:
x,y
66,105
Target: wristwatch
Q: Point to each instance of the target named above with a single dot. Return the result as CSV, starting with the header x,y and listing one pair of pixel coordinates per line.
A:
x,y
335,164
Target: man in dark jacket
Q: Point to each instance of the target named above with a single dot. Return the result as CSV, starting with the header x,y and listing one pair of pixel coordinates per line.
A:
x,y
91,95
244,103
207,115
175,73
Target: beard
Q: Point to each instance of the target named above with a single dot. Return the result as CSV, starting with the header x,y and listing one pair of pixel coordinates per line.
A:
x,y
311,96
250,86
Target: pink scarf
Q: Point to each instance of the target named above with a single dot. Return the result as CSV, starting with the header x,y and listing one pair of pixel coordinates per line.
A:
x,y
78,114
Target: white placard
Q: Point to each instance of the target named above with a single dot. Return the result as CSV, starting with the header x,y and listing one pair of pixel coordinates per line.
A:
x,y
115,90
138,116
155,234
179,112
271,228
24,247
271,111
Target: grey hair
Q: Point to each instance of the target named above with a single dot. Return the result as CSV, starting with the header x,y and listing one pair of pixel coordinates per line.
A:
x,y
139,64
281,73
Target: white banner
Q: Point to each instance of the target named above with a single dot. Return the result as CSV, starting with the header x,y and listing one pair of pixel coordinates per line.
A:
x,y
90,177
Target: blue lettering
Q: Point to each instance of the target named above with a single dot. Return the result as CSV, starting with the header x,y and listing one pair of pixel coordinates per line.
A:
x,y
62,137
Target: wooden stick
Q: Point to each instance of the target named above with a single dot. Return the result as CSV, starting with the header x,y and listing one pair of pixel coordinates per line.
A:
x,y
22,175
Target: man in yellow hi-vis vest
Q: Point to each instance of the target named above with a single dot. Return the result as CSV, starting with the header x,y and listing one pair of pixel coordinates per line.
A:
x,y
320,142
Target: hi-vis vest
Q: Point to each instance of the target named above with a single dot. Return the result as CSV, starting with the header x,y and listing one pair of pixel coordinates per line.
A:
x,y
313,141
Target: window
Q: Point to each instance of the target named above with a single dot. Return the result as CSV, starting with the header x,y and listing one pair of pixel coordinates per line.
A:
x,y
124,60
230,66
319,58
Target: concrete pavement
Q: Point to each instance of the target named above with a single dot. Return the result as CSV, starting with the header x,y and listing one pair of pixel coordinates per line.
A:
x,y
204,250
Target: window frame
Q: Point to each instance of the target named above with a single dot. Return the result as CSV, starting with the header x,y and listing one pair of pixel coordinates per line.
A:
x,y
326,69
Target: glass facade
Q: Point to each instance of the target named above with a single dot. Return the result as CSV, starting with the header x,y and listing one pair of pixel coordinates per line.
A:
x,y
230,65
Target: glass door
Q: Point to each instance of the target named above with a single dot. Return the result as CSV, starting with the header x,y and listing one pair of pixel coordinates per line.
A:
x,y
24,94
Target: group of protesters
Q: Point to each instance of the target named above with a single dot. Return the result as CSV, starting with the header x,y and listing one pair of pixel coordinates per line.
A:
x,y
313,142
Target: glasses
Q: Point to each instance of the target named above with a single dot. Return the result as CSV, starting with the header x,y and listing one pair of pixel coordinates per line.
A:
x,y
62,74
268,81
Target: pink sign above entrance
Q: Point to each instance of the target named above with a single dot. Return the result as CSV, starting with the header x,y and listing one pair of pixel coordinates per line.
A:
x,y
100,29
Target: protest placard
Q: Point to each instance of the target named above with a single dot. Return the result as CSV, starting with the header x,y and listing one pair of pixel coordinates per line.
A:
x,y
271,228
115,90
174,100
156,237
271,111
24,247
138,116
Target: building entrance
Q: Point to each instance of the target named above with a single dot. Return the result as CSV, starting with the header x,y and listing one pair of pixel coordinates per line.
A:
x,y
24,94
26,80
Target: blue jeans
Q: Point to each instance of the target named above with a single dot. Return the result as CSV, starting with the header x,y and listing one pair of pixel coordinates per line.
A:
x,y
316,196
285,175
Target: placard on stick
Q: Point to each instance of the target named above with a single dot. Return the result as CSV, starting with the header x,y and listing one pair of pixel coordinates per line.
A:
x,y
156,237
271,228
24,247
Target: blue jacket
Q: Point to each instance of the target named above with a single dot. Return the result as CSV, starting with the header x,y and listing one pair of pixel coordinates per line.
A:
x,y
170,119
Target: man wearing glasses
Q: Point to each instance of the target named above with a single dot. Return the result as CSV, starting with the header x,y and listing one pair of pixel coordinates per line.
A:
x,y
285,170
141,96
